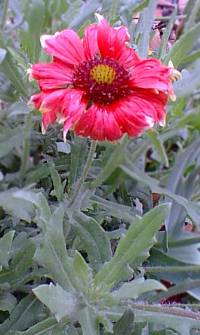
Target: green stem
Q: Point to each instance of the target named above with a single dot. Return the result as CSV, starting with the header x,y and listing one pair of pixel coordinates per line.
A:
x,y
4,14
26,145
85,171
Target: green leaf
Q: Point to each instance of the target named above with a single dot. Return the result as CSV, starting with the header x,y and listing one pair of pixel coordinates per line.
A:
x,y
7,302
5,248
8,67
133,247
144,27
135,288
52,253
189,82
125,325
30,39
18,208
157,143
24,315
177,289
166,34
58,187
60,302
82,269
93,237
183,46
192,208
10,139
125,213
44,327
193,16
88,322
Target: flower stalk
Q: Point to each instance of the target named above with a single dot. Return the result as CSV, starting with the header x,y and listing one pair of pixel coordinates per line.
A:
x,y
85,171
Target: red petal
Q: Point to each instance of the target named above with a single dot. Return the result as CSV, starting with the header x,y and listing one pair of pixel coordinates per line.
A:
x,y
99,124
90,44
52,75
111,41
74,107
65,45
150,73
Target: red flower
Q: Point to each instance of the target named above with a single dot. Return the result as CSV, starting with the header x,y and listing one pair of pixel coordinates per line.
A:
x,y
98,85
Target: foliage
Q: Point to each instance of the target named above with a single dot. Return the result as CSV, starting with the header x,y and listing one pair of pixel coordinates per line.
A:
x,y
97,257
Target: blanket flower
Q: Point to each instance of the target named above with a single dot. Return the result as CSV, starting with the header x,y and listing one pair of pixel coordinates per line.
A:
x,y
98,85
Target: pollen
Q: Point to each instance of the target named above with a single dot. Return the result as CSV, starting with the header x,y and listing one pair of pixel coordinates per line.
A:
x,y
103,74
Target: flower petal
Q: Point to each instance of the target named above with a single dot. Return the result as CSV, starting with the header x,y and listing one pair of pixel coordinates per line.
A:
x,y
73,108
111,41
52,75
65,45
140,111
99,124
50,103
150,73
90,44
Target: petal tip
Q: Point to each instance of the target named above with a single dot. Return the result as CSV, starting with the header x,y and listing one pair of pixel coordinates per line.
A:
x,y
99,17
43,40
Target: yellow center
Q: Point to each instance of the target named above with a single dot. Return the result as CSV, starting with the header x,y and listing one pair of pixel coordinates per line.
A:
x,y
103,74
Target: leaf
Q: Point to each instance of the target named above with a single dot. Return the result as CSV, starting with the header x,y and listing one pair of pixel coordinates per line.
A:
x,y
174,318
157,143
144,27
193,16
133,247
85,11
189,82
177,289
30,39
8,67
24,315
60,302
125,213
183,46
125,325
52,253
43,327
136,287
93,237
5,248
88,322
166,34
7,302
192,208
9,140
58,187
83,270
18,208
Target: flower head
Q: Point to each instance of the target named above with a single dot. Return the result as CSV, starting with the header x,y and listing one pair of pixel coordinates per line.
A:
x,y
98,85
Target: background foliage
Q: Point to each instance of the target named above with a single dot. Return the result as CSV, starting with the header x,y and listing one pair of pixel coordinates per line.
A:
x,y
120,253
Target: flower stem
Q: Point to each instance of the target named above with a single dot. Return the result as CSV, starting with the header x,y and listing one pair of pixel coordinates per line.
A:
x,y
26,145
85,171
